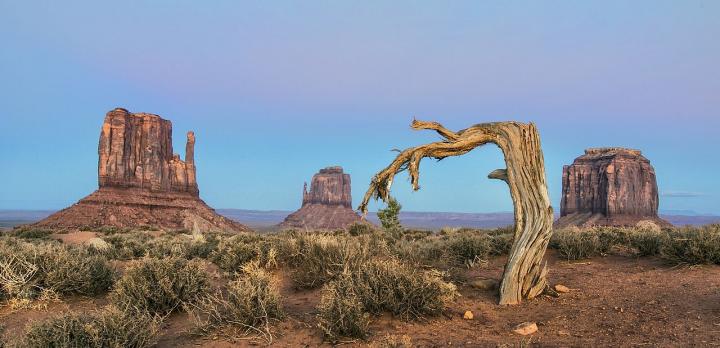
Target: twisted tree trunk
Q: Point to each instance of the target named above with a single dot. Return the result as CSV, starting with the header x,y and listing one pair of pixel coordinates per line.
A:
x,y
525,273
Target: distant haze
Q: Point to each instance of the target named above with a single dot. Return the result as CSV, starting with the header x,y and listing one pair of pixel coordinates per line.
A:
x,y
276,90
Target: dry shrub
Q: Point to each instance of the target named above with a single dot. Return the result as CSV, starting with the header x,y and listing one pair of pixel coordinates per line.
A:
x,y
107,328
389,285
574,244
693,245
341,310
648,242
160,285
319,258
457,246
380,286
234,252
252,301
129,245
31,233
648,225
27,269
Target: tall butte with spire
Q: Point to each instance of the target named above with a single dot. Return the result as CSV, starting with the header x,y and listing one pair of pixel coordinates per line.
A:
x,y
328,204
142,182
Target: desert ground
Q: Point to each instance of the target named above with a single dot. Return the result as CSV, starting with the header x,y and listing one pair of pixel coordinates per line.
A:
x,y
623,287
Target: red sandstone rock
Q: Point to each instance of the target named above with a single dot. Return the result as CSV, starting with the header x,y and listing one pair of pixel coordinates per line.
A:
x,y
609,186
328,204
142,182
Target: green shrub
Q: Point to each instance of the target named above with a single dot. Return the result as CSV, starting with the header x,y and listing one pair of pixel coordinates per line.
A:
x,y
390,218
160,285
108,328
693,245
253,300
341,312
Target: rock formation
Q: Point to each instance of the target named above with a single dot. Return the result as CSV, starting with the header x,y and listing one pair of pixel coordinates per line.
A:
x,y
328,204
142,182
610,187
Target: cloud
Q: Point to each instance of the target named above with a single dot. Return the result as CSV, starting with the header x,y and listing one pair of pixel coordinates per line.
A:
x,y
682,194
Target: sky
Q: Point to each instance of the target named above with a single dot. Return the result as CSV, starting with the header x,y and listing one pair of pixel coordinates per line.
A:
x,y
276,90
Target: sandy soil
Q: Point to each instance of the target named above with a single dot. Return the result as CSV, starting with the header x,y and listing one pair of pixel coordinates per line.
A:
x,y
615,301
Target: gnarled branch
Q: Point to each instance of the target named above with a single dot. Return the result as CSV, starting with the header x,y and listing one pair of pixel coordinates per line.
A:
x,y
525,274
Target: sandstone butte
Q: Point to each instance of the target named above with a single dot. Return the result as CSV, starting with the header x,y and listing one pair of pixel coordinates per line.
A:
x,y
328,204
142,182
609,187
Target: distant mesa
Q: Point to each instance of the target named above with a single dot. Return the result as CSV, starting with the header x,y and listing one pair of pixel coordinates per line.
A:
x,y
142,182
328,204
609,186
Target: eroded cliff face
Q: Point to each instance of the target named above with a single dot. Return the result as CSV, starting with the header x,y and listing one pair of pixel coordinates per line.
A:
x,y
142,182
135,150
609,186
328,204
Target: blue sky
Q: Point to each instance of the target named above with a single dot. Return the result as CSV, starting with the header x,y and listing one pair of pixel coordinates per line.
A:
x,y
276,90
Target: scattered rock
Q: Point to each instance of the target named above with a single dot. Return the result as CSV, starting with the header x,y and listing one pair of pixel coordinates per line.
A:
x,y
484,284
526,328
142,182
609,186
561,288
328,204
468,315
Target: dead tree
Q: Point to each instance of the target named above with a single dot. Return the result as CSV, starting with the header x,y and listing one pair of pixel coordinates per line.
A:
x,y
525,273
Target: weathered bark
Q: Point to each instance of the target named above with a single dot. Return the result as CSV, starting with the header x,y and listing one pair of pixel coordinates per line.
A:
x,y
525,272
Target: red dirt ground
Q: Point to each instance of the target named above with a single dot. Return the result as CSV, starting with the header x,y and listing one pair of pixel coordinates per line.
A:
x,y
616,301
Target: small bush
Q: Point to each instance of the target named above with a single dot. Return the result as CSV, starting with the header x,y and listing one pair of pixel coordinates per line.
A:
x,y
379,286
234,252
466,248
129,245
693,245
390,218
389,285
160,285
648,242
341,311
27,269
31,233
253,300
108,328
575,245
319,258
361,228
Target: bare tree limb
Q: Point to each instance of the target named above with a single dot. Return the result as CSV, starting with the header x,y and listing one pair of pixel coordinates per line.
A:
x,y
525,274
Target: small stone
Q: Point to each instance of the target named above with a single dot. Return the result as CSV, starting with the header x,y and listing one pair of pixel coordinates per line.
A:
x,y
468,315
484,284
526,328
563,333
561,288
